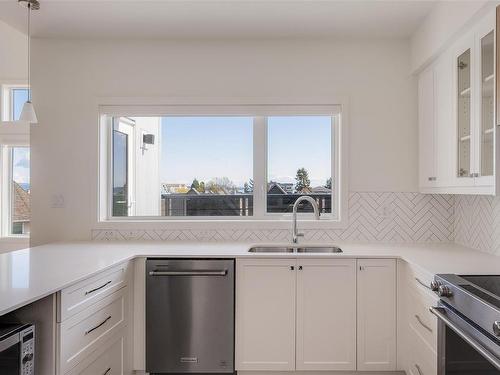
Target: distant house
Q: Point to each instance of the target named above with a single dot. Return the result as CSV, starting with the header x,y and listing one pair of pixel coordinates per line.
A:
x,y
167,188
321,190
276,188
21,210
193,191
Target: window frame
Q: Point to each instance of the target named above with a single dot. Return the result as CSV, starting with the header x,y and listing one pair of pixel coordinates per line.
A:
x,y
12,134
8,191
7,101
337,111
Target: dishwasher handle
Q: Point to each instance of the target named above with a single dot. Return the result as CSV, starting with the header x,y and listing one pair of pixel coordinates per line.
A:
x,y
189,273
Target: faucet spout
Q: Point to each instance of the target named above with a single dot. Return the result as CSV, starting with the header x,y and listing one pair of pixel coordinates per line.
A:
x,y
295,232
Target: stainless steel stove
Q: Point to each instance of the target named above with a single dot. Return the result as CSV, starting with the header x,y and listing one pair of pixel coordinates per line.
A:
x,y
469,324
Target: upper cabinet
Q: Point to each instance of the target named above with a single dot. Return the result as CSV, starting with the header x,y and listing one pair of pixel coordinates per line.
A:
x,y
456,116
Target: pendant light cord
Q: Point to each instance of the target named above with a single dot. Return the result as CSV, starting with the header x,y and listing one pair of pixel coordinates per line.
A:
x,y
29,51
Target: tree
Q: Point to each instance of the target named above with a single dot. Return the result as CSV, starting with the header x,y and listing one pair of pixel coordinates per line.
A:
x,y
221,185
198,186
201,188
195,184
248,186
328,184
302,180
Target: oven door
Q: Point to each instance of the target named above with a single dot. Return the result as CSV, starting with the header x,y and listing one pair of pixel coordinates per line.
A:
x,y
463,349
10,355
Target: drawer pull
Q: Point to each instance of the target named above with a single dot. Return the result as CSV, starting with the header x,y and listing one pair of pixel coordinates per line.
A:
x,y
423,324
98,288
422,283
418,369
99,325
107,371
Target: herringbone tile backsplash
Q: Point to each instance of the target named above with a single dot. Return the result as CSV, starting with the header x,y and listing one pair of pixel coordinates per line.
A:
x,y
477,222
387,217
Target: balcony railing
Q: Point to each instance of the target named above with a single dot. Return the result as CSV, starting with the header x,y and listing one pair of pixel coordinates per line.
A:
x,y
236,204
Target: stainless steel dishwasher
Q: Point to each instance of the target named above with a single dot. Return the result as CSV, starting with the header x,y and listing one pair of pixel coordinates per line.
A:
x,y
189,316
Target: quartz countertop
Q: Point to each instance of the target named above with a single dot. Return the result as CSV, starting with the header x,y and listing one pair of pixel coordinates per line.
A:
x,y
33,273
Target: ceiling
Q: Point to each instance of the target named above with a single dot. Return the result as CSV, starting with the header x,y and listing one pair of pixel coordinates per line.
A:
x,y
234,19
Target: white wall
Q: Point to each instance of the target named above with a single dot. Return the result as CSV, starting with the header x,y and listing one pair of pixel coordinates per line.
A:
x,y
13,54
441,26
69,76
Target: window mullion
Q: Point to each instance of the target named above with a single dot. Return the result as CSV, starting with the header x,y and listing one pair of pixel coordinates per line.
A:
x,y
259,165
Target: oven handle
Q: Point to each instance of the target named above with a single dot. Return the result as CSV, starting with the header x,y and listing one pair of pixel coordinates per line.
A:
x,y
440,312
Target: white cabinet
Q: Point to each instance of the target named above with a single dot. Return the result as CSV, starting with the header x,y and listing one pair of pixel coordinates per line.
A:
x,y
426,129
435,124
417,326
326,314
295,314
457,148
265,314
93,324
376,297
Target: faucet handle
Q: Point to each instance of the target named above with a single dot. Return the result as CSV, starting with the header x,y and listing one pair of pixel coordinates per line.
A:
x,y
300,234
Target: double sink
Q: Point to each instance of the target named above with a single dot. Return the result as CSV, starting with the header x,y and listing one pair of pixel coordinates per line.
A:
x,y
295,249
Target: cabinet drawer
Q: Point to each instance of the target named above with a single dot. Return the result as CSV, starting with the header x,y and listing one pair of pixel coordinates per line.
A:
x,y
106,360
78,297
81,334
423,360
420,318
418,279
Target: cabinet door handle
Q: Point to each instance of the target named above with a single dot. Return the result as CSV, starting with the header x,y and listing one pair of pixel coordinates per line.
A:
x,y
300,268
423,324
98,288
97,326
432,178
107,371
418,369
422,283
292,268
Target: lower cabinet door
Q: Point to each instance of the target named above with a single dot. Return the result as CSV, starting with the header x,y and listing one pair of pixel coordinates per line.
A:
x,y
107,360
376,285
326,314
265,314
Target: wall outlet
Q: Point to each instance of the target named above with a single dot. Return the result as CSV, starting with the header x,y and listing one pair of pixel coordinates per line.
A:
x,y
57,201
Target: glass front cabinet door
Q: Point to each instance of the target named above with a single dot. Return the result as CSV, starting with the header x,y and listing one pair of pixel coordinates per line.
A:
x,y
463,113
485,154
474,62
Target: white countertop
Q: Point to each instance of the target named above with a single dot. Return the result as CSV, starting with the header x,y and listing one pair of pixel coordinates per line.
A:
x,y
30,274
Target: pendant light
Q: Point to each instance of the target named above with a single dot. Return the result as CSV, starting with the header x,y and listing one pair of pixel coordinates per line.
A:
x,y
28,113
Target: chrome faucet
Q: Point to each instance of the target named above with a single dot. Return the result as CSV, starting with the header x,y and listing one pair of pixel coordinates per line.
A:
x,y
295,233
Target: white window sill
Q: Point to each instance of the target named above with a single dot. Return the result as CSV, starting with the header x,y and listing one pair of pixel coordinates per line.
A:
x,y
14,238
201,224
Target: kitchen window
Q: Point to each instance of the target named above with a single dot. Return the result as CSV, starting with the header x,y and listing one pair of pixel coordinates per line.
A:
x,y
16,198
20,202
229,163
13,99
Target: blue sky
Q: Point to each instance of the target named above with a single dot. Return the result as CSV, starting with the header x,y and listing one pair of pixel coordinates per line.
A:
x,y
208,147
21,165
20,96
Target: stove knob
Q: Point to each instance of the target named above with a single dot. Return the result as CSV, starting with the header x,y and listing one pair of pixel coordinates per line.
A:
x,y
435,285
444,291
496,328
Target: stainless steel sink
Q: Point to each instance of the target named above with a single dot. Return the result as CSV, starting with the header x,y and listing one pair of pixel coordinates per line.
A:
x,y
271,249
319,249
297,249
